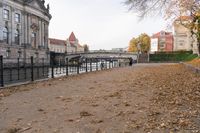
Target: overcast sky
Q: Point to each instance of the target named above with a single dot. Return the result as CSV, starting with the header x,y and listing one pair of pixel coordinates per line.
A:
x,y
102,24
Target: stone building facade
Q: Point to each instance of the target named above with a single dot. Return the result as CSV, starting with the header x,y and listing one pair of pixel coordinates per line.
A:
x,y
24,28
182,35
165,41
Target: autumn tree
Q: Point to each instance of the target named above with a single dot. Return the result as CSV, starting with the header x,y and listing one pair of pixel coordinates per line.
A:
x,y
86,48
141,43
133,45
144,42
170,9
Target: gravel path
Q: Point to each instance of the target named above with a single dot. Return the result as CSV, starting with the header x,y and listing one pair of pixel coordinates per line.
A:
x,y
144,98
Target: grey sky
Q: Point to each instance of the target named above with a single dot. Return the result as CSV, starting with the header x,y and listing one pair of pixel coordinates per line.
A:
x,y
102,24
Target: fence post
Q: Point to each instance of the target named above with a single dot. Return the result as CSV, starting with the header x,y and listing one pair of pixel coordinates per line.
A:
x,y
90,65
52,68
86,65
18,68
60,65
97,65
78,68
112,63
32,76
101,65
43,67
1,71
25,69
67,67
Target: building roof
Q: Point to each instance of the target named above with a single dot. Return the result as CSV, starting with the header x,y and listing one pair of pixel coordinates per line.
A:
x,y
41,4
159,34
72,37
57,41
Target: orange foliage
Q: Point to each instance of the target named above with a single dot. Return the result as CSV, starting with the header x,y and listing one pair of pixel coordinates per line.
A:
x,y
195,62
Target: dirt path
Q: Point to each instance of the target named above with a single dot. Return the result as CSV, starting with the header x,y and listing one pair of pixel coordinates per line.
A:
x,y
144,98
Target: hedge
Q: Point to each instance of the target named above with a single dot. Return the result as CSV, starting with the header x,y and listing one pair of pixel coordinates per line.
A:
x,y
172,56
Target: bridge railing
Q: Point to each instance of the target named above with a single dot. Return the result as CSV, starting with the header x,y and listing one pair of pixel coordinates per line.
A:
x,y
100,52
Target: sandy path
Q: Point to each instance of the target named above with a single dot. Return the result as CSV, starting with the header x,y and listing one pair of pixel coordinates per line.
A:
x,y
122,100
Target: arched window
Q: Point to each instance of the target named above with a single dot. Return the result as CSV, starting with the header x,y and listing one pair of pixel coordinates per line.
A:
x,y
17,36
5,35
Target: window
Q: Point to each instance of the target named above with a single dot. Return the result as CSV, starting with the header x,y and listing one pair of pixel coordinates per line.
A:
x,y
182,34
162,42
6,14
17,36
181,42
19,54
8,53
162,45
5,34
33,39
17,17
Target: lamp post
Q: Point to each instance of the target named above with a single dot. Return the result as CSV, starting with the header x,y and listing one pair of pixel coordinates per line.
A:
x,y
138,51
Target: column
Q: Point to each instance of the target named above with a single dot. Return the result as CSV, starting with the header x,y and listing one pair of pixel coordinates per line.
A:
x,y
28,29
12,29
23,30
46,34
42,35
1,21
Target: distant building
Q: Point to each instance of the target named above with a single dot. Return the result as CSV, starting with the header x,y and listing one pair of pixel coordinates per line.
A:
x,y
73,45
182,35
164,40
57,46
24,28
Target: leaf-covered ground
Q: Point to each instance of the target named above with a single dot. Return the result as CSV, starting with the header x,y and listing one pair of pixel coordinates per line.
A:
x,y
149,98
195,62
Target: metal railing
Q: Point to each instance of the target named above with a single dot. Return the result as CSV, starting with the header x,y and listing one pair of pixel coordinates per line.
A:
x,y
23,70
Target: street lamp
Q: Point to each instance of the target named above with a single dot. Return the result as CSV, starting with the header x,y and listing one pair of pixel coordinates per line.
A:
x,y
138,51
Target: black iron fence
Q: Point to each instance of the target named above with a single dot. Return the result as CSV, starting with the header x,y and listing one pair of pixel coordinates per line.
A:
x,y
24,70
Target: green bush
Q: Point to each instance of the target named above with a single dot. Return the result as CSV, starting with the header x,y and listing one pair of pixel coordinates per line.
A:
x,y
172,56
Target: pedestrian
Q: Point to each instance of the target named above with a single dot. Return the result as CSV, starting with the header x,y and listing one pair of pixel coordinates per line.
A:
x,y
130,62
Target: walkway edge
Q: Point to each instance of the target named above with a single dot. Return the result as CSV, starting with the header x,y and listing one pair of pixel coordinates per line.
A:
x,y
191,68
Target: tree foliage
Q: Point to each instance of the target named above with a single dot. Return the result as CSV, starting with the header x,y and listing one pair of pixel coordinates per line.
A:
x,y
141,43
170,9
86,48
133,45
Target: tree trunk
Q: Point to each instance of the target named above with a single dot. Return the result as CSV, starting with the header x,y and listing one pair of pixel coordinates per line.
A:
x,y
198,46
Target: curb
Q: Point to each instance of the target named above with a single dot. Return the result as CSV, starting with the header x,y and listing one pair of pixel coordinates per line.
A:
x,y
191,68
